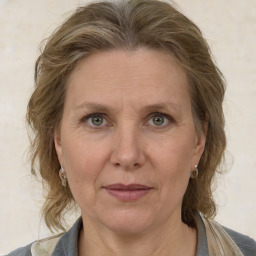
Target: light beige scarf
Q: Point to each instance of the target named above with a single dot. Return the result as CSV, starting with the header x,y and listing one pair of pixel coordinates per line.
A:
x,y
219,242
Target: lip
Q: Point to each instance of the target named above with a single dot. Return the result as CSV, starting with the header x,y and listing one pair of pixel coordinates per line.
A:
x,y
131,192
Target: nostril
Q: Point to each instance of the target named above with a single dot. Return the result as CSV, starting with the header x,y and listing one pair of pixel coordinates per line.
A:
x,y
127,166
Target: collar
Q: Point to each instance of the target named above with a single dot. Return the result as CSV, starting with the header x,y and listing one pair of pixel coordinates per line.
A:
x,y
67,245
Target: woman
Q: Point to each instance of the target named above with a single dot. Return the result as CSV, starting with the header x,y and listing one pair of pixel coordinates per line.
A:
x,y
128,121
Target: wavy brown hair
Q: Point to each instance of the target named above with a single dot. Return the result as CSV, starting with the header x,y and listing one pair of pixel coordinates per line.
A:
x,y
127,25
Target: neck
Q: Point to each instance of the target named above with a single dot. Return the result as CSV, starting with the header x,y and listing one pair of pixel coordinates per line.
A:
x,y
166,240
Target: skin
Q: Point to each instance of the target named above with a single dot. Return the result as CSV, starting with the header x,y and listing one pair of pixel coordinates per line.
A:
x,y
130,146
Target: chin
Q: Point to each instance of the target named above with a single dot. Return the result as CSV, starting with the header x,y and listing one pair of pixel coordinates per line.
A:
x,y
127,222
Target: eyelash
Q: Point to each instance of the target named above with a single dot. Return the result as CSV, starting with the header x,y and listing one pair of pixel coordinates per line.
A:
x,y
152,115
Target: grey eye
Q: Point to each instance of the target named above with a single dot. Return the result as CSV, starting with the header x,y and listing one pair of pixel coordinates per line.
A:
x,y
158,120
97,121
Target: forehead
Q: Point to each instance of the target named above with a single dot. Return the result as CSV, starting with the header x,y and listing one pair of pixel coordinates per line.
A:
x,y
142,75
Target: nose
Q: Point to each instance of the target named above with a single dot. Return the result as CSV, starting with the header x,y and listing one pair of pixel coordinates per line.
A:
x,y
127,149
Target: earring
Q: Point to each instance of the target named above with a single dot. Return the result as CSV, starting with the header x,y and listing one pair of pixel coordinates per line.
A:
x,y
194,173
63,177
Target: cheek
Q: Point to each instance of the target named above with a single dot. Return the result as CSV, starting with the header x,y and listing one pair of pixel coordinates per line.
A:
x,y
173,162
175,154
83,162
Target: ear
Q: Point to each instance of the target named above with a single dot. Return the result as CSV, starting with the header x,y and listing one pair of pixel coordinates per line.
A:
x,y
200,143
57,142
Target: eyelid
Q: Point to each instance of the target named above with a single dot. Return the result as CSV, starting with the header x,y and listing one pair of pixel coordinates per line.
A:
x,y
154,114
161,114
86,117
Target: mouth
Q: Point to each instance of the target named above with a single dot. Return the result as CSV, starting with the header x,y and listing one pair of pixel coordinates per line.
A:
x,y
131,192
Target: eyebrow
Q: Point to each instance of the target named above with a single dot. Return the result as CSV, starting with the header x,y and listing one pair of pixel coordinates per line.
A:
x,y
94,106
104,108
163,106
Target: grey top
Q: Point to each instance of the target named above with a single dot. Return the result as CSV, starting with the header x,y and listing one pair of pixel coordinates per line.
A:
x,y
67,245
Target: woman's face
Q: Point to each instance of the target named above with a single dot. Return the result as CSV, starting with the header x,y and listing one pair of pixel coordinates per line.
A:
x,y
127,140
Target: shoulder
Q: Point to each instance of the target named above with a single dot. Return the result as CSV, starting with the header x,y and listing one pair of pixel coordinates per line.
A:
x,y
53,245
44,247
23,251
246,244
